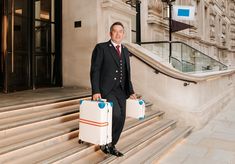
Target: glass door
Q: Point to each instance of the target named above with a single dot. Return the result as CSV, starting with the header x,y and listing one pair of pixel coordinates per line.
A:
x,y
44,43
29,58
16,40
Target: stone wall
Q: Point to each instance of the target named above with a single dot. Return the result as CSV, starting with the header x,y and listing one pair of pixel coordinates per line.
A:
x,y
78,42
194,104
96,17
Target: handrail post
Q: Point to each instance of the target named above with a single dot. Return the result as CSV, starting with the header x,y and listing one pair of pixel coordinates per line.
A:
x,y
169,3
170,31
138,23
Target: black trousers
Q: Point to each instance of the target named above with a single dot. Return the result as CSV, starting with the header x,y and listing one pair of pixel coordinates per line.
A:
x,y
118,97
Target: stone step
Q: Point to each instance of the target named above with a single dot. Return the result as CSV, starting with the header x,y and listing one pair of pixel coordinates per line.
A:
x,y
11,122
139,138
44,101
41,146
155,149
96,151
54,153
58,151
37,135
37,125
24,139
45,117
33,109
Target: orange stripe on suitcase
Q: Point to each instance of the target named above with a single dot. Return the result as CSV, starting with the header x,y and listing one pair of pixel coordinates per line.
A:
x,y
94,123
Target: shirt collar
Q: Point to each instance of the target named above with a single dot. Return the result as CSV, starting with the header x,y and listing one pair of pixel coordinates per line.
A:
x,y
115,44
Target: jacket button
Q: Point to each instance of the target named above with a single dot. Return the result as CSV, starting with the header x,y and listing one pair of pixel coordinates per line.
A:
x,y
115,78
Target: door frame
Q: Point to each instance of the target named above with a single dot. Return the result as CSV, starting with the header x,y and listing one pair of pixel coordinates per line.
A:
x,y
57,70
1,50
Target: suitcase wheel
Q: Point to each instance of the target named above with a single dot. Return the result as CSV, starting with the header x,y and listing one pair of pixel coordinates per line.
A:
x,y
80,142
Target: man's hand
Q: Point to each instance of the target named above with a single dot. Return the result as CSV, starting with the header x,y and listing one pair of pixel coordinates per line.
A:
x,y
133,96
96,97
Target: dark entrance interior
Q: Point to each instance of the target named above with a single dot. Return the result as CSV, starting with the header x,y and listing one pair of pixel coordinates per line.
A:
x,y
1,66
33,57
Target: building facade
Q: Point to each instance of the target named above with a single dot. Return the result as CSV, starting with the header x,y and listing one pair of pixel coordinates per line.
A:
x,y
212,32
48,43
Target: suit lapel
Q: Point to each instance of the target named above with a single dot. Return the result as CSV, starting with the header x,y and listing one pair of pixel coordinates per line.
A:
x,y
113,53
126,56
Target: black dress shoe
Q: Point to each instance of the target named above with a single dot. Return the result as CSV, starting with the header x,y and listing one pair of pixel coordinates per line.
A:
x,y
115,152
105,149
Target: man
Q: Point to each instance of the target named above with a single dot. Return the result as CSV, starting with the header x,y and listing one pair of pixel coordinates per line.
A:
x,y
111,80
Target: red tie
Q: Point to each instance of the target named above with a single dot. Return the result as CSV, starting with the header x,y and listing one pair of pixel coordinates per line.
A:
x,y
118,50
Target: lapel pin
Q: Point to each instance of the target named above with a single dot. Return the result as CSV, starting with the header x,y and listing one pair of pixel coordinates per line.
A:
x,y
110,45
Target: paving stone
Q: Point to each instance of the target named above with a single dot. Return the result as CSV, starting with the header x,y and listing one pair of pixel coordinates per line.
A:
x,y
173,159
216,141
218,144
224,129
224,136
197,136
221,155
195,160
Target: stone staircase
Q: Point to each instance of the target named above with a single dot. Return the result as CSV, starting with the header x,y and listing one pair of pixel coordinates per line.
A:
x,y
48,133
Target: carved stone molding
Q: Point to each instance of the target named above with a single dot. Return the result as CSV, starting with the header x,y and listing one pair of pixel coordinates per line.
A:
x,y
232,29
223,22
212,2
223,40
223,4
232,36
231,7
212,33
212,21
232,15
118,6
233,22
155,5
212,12
224,29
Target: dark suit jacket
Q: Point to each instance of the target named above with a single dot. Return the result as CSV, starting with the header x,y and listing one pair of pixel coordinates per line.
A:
x,y
104,70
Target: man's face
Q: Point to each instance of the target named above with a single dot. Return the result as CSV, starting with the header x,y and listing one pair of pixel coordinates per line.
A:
x,y
117,34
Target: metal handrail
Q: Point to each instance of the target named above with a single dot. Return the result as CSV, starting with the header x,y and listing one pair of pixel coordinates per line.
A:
x,y
158,71
159,42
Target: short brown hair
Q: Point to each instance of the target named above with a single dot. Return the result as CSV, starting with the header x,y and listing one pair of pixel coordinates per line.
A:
x,y
114,24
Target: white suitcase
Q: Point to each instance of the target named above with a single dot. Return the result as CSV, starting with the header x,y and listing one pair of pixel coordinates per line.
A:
x,y
135,108
95,123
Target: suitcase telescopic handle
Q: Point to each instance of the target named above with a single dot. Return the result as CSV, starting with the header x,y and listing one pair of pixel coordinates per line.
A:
x,y
102,100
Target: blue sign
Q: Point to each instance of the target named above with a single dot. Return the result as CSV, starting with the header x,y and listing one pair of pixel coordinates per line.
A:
x,y
184,12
